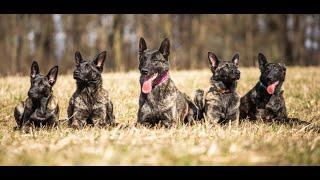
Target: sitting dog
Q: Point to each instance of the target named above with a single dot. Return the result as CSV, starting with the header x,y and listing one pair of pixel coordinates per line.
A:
x,y
268,88
41,106
160,100
90,103
220,104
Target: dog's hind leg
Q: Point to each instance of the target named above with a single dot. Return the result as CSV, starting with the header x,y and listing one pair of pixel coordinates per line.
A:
x,y
22,114
199,103
247,109
190,117
191,111
110,119
18,114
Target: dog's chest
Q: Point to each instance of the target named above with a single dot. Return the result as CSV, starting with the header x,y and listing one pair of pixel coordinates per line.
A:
x,y
91,101
161,98
260,100
53,103
225,101
160,102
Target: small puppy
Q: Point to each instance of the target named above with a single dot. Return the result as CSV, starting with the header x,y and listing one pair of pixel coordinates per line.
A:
x,y
90,103
41,107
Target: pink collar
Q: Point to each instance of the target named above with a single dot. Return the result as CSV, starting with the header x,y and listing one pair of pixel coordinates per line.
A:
x,y
162,78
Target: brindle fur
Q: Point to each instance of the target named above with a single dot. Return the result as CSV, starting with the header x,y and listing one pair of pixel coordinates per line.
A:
x,y
220,104
258,104
90,103
276,111
165,104
275,108
40,107
258,98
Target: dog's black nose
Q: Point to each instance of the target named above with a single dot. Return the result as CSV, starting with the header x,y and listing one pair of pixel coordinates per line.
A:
x,y
76,74
269,79
144,71
31,94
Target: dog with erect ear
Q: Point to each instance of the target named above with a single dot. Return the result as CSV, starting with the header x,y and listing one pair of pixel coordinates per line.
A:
x,y
160,100
220,104
41,106
265,101
269,85
90,104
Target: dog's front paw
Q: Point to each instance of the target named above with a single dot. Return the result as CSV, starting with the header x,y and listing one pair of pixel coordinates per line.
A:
x,y
166,124
75,125
16,128
26,129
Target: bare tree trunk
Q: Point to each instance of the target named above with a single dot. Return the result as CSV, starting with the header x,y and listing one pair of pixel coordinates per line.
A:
x,y
19,42
19,53
284,32
249,40
117,42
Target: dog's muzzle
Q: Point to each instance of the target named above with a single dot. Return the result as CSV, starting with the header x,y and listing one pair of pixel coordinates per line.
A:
x,y
144,71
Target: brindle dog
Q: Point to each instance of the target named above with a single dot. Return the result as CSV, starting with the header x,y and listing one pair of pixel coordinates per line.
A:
x,y
271,79
41,106
160,100
90,103
220,104
265,101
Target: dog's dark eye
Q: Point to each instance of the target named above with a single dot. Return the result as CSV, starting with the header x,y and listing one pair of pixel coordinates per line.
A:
x,y
142,58
267,70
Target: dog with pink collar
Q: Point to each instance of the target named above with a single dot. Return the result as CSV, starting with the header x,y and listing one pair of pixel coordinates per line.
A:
x,y
160,101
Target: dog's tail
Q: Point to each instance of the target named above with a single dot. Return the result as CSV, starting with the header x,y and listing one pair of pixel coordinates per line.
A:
x,y
199,102
62,121
307,126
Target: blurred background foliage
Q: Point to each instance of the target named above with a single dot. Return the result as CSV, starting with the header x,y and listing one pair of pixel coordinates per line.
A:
x,y
52,39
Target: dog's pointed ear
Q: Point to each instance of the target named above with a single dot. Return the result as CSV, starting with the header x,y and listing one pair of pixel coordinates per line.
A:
x,y
34,69
142,45
99,60
78,57
165,48
52,75
283,66
236,59
262,61
213,60
281,93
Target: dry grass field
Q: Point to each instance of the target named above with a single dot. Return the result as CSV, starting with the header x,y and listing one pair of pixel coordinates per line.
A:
x,y
247,144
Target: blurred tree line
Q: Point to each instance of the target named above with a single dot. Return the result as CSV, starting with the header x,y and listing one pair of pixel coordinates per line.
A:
x,y
53,39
